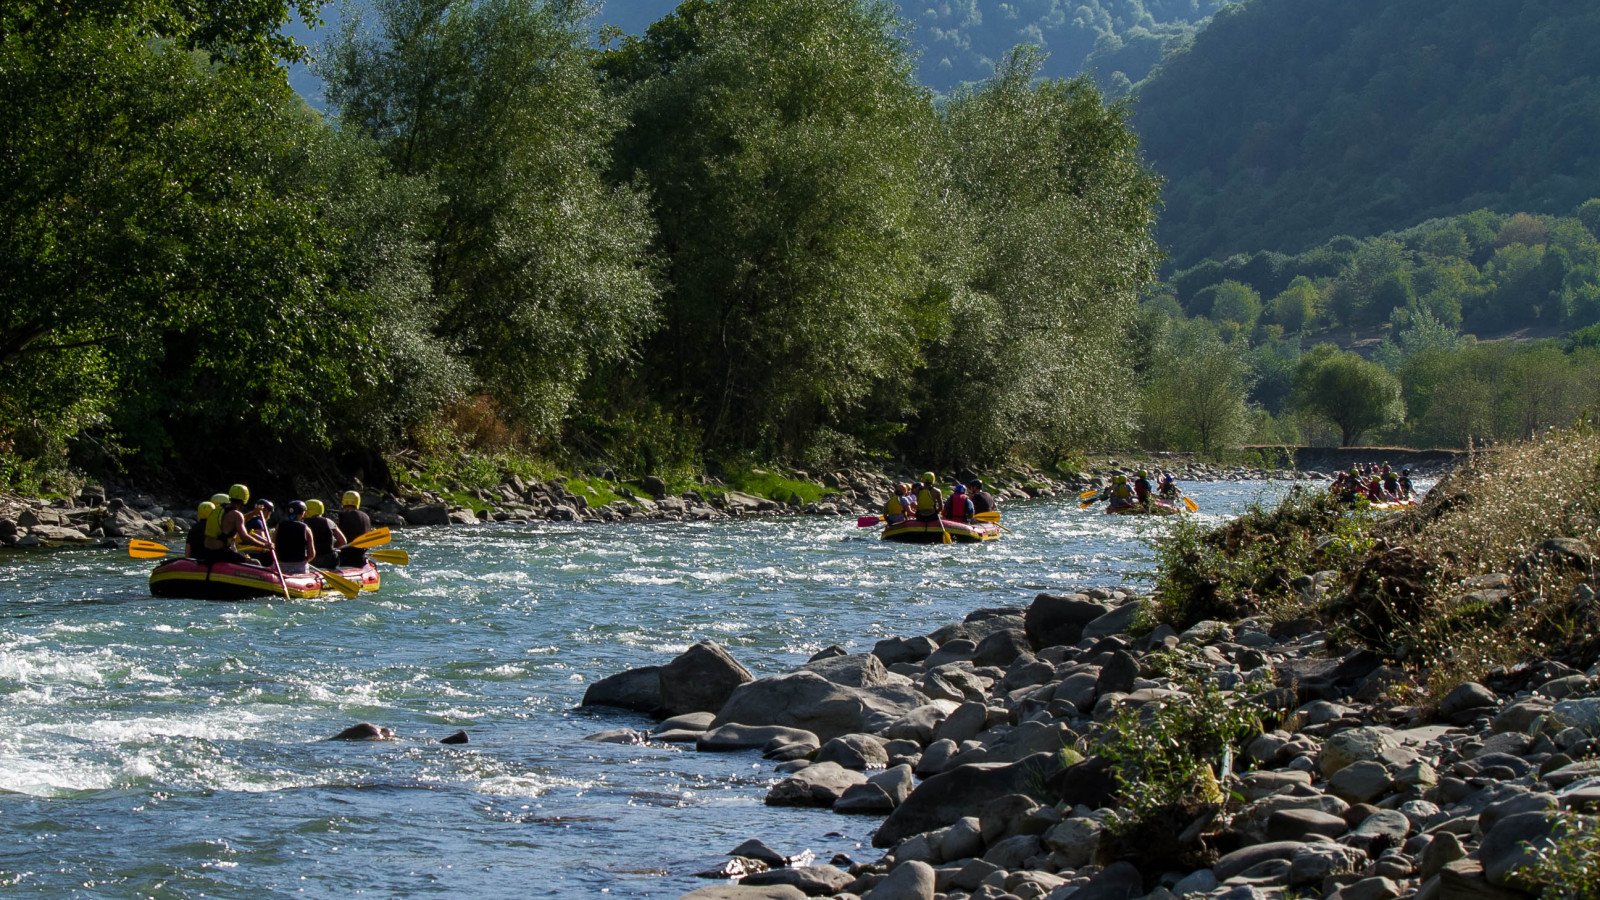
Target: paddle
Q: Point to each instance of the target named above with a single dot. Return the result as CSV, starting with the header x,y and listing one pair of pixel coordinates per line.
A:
x,y
340,583
1089,493
1191,505
272,554
868,521
993,517
147,550
377,537
393,557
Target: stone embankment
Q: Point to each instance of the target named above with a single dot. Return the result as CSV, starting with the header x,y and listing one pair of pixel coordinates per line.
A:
x,y
92,518
979,745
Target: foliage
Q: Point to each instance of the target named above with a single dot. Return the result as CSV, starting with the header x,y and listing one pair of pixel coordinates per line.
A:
x,y
1280,127
1567,867
1352,393
1169,753
1248,565
538,268
1194,398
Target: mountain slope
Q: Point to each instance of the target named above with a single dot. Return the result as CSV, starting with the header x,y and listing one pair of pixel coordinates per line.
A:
x,y
1287,122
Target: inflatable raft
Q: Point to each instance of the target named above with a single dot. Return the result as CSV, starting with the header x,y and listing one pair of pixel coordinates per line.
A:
x,y
194,580
1158,508
912,531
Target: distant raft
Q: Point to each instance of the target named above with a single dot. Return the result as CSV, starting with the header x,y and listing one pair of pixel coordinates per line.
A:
x,y
191,579
912,531
1158,508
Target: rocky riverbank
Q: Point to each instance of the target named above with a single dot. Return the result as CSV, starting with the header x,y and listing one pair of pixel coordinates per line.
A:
x,y
983,745
92,517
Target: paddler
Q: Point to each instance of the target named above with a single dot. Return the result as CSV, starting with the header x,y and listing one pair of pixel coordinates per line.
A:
x,y
326,538
257,528
1141,488
959,509
1121,493
900,504
195,544
355,523
225,527
1167,487
294,541
1406,490
982,500
930,501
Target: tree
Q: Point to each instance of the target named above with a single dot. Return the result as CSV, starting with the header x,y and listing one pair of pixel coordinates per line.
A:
x,y
1589,215
1197,399
539,268
1237,303
1296,307
782,142
1352,393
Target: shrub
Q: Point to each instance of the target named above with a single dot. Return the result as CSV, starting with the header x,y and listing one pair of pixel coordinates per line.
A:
x,y
1568,867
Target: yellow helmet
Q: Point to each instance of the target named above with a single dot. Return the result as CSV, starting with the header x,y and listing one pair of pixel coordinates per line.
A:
x,y
219,500
1118,479
1143,474
240,493
315,508
205,509
927,478
351,498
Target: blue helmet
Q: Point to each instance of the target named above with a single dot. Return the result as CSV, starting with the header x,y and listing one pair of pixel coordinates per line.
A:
x,y
961,489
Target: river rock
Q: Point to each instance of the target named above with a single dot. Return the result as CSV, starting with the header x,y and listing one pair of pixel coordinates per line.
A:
x,y
364,731
636,689
1298,824
855,751
746,892
950,795
1059,619
920,724
33,518
1583,712
58,535
1118,674
820,784
1463,880
903,650
1118,881
735,736
908,881
1117,621
1314,862
962,840
125,523
1352,746
1248,857
1361,782
862,670
813,881
426,514
1512,842
1014,851
1076,840
963,724
809,701
1466,702
1445,848
1001,649
701,679
955,650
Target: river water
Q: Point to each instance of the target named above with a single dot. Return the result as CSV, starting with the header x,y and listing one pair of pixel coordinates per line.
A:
x,y
170,748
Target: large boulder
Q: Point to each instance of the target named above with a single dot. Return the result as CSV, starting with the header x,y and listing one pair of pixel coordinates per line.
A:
x,y
913,880
636,689
809,701
1055,619
946,797
862,670
57,534
426,514
701,679
820,784
744,892
126,523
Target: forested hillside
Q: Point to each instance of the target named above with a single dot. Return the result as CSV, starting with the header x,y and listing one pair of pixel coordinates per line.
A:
x,y
1286,123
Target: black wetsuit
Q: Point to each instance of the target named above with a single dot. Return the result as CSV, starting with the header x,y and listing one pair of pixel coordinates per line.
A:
x,y
982,502
354,523
323,554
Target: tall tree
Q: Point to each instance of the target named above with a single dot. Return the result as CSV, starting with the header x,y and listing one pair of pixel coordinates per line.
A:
x,y
1352,393
539,269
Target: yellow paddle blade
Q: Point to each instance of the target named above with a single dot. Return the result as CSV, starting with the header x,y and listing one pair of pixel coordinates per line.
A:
x,y
944,537
340,583
251,548
147,550
392,557
992,515
1191,505
1087,494
377,537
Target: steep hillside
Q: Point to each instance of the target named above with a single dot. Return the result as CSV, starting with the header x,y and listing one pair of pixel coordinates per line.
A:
x,y
1286,123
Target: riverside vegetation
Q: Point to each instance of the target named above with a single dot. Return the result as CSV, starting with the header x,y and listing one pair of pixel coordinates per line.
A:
x,y
1311,701
746,234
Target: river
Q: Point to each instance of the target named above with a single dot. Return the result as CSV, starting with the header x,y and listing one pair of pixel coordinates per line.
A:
x,y
173,749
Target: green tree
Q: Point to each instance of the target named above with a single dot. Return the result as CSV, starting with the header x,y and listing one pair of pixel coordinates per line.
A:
x,y
1296,307
1352,393
1589,215
538,270
1197,399
782,142
1237,303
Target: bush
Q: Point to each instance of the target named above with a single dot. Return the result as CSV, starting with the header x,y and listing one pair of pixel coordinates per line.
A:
x,y
1568,867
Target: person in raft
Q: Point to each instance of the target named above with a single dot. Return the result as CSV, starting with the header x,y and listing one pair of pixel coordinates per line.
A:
x,y
257,523
226,527
294,541
353,522
900,505
929,499
959,507
1167,487
1141,488
326,538
195,543
1121,493
982,500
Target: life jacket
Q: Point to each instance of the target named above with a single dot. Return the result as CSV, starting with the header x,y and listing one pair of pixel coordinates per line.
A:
x,y
895,507
958,509
293,542
1121,492
928,498
321,534
1141,488
214,526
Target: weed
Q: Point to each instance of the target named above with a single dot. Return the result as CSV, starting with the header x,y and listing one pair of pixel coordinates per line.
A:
x,y
1567,867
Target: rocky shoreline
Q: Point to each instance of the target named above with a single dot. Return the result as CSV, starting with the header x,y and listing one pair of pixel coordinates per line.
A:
x,y
92,517
985,746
